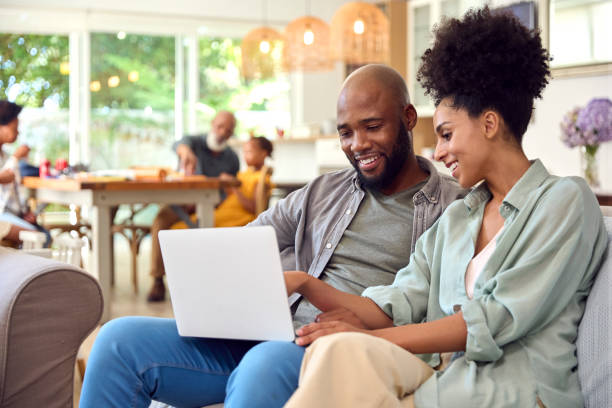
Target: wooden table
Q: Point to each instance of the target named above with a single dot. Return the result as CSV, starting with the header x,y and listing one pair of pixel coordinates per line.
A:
x,y
102,194
604,197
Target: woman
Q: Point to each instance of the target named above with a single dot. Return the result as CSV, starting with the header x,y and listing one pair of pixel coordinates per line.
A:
x,y
12,218
500,280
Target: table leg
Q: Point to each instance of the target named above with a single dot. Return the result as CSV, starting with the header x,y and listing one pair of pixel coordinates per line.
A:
x,y
205,209
101,233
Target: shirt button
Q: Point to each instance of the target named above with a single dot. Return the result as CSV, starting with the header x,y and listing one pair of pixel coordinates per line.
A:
x,y
328,245
348,212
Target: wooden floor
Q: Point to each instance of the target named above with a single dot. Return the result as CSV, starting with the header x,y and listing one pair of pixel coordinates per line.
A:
x,y
124,302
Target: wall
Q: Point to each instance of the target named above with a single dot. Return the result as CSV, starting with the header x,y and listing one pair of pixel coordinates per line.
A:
x,y
542,139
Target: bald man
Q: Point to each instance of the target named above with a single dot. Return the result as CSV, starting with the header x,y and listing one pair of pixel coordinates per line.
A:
x,y
206,154
352,228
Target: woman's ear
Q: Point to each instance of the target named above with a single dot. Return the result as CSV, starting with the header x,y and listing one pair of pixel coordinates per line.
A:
x,y
491,123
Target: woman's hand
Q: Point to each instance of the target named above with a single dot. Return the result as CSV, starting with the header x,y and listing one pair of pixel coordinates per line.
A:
x,y
294,280
22,152
7,176
341,315
309,333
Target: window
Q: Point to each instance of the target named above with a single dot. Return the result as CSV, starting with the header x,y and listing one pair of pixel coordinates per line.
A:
x,y
580,32
132,100
260,106
34,72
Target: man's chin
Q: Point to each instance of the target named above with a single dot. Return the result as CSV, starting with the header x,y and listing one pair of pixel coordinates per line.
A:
x,y
372,182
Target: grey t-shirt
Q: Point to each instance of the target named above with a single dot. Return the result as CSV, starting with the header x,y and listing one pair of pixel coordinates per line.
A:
x,y
372,249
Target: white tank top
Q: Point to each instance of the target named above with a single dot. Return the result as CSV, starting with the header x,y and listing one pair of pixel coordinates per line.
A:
x,y
477,264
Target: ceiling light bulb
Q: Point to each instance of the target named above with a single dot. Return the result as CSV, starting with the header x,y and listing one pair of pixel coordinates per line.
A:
x,y
358,27
65,68
95,86
133,76
113,81
264,46
308,37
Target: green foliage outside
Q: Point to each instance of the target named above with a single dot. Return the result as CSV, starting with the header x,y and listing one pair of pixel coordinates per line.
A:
x,y
133,122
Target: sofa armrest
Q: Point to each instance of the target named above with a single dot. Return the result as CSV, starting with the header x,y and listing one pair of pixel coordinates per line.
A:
x,y
47,308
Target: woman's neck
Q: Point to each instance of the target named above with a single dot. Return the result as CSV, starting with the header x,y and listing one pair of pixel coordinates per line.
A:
x,y
505,171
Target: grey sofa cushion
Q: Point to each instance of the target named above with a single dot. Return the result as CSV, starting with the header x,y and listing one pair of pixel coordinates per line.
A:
x,y
47,309
595,337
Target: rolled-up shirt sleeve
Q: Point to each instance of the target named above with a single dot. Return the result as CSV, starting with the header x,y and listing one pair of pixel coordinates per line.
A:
x,y
539,278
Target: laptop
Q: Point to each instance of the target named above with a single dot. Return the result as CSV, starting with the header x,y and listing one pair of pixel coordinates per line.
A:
x,y
227,283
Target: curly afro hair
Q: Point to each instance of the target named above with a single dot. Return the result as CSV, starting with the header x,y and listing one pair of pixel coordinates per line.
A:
x,y
8,112
487,60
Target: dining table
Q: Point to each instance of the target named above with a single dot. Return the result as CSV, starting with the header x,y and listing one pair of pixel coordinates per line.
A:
x,y
101,194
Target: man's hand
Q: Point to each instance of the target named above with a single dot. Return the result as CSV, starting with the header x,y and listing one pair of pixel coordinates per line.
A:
x,y
187,158
293,280
309,333
22,152
7,176
341,315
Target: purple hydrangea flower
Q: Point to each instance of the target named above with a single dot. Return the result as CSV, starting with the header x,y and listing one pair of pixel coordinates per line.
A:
x,y
588,126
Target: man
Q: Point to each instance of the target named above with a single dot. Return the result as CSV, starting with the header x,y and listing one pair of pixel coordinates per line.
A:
x,y
206,154
353,228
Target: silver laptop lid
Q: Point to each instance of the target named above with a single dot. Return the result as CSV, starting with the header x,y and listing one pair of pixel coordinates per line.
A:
x,y
227,283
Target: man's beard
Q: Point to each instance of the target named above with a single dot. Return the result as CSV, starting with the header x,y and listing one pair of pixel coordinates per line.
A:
x,y
213,144
394,163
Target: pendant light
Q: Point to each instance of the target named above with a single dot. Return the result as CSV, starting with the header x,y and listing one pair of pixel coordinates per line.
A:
x,y
307,44
360,34
262,51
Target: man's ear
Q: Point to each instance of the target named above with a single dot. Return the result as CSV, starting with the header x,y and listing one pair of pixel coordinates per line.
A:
x,y
410,116
491,121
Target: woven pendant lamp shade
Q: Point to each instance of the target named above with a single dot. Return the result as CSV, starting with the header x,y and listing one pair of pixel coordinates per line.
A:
x,y
360,34
262,53
307,45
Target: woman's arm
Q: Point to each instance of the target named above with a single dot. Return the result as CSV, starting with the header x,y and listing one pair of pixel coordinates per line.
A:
x,y
326,297
440,336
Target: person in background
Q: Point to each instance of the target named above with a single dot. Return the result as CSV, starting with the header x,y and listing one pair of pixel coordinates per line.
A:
x,y
208,155
352,228
238,208
14,216
495,290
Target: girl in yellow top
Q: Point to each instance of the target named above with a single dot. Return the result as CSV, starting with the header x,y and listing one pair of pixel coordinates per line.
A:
x,y
239,207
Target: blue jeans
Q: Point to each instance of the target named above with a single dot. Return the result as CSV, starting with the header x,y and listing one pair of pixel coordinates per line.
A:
x,y
136,359
20,222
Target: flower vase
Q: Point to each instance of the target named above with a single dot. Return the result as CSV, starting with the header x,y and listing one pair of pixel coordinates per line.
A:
x,y
589,165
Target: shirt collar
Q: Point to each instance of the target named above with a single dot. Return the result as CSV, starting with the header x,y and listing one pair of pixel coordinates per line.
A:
x,y
518,194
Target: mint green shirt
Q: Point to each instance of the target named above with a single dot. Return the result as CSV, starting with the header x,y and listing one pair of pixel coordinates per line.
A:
x,y
528,299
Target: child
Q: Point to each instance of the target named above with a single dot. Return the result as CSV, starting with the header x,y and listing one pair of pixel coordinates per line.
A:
x,y
239,207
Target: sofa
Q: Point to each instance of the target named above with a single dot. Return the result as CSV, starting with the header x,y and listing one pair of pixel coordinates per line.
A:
x,y
47,309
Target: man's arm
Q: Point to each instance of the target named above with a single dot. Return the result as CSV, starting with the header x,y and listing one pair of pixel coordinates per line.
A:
x,y
326,298
187,159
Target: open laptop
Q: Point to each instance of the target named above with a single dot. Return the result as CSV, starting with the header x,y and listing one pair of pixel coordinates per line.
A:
x,y
227,283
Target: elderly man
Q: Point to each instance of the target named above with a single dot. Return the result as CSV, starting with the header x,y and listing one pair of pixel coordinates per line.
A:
x,y
353,228
206,154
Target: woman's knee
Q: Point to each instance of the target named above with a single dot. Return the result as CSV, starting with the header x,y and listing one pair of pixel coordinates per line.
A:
x,y
345,341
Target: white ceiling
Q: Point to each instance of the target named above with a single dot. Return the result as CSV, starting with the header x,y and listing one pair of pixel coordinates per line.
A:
x,y
278,11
